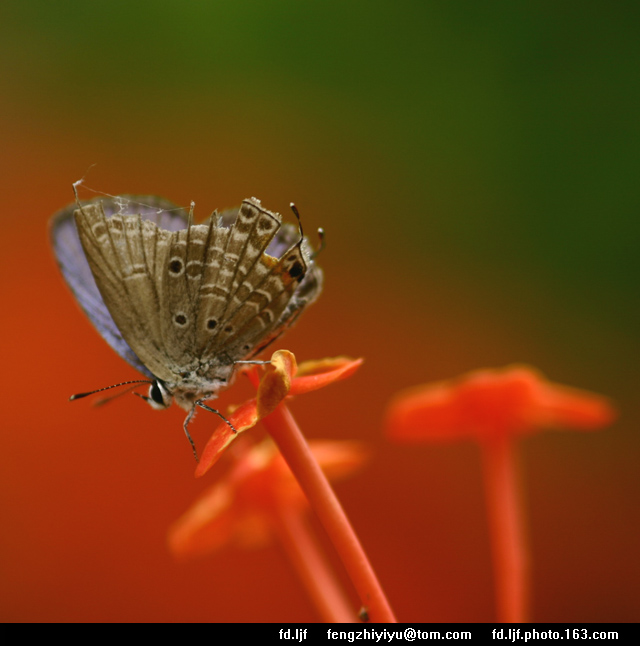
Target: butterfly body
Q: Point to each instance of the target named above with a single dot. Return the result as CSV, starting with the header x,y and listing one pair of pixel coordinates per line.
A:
x,y
184,302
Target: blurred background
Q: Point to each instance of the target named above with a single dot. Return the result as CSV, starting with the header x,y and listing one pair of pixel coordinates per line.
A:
x,y
476,171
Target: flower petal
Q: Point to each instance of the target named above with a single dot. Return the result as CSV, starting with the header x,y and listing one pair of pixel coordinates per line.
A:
x,y
241,508
206,526
318,374
488,403
424,413
561,406
243,418
276,381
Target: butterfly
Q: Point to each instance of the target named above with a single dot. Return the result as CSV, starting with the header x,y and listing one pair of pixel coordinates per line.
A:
x,y
183,303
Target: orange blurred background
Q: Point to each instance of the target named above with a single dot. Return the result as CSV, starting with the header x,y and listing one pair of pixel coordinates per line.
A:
x,y
475,170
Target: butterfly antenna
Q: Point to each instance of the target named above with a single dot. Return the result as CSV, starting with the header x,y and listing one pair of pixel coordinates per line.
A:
x,y
78,183
75,190
321,237
190,217
294,208
99,390
107,400
322,246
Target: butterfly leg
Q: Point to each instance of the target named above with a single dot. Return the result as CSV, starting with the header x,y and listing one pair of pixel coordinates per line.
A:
x,y
213,410
186,430
253,363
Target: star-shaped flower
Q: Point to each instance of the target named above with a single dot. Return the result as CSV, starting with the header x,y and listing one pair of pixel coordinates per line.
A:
x,y
282,378
243,507
485,404
494,407
260,501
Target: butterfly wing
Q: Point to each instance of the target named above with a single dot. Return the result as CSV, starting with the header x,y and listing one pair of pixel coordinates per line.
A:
x,y
255,296
77,272
176,299
127,246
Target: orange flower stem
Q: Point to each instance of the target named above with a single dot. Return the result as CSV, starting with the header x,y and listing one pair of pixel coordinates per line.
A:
x,y
315,572
287,435
506,522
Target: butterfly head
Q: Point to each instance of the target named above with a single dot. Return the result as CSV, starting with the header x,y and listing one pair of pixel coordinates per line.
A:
x,y
185,394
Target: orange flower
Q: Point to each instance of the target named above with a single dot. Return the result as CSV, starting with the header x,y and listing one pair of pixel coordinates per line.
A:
x,y
259,501
282,378
242,508
495,406
488,403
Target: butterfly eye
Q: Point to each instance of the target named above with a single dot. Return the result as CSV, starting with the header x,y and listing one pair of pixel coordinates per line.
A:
x,y
158,396
155,393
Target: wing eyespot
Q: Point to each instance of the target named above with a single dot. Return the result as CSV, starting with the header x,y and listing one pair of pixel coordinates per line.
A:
x,y
176,267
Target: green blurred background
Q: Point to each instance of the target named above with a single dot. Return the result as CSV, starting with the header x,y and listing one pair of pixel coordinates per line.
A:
x,y
475,168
